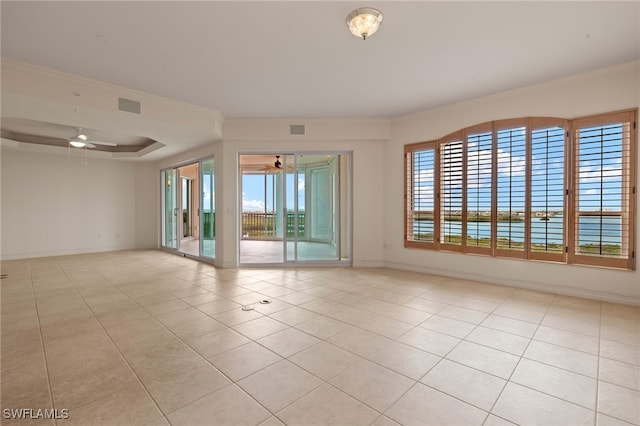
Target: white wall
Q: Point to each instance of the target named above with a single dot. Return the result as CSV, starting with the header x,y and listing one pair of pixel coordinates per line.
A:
x,y
602,91
54,204
147,190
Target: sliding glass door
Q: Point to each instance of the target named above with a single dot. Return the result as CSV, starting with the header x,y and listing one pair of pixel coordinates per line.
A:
x,y
188,209
170,208
295,208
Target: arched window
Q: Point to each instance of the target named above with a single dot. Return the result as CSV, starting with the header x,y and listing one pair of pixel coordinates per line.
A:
x,y
531,188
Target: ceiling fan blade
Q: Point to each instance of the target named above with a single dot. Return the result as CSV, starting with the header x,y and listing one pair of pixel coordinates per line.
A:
x,y
102,143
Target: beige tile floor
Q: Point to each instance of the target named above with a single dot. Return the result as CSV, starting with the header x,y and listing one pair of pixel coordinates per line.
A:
x,y
148,338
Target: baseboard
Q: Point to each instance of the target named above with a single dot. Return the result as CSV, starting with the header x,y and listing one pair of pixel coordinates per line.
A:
x,y
368,264
226,265
523,284
54,253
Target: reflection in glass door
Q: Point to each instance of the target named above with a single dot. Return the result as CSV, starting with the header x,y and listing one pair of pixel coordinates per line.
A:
x,y
170,208
208,212
297,212
187,206
317,185
294,213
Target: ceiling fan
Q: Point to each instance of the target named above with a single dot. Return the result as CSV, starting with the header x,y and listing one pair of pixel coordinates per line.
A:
x,y
80,140
276,167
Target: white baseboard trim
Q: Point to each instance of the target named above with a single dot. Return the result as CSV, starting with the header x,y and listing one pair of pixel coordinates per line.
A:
x,y
524,284
54,253
368,264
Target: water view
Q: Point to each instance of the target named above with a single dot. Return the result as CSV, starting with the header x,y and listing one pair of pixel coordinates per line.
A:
x,y
593,229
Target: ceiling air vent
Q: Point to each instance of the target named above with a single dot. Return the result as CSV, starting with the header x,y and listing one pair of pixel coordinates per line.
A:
x,y
296,129
127,105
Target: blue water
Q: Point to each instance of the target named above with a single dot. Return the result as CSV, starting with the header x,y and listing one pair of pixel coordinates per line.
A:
x,y
543,231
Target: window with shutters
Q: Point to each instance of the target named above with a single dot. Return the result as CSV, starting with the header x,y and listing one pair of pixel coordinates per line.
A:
x,y
511,176
451,194
532,188
420,204
477,211
604,190
548,186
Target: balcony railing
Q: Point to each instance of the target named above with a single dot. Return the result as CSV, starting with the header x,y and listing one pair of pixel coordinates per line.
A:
x,y
262,226
208,224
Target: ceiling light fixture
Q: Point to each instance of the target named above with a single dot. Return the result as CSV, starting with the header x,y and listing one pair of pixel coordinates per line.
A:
x,y
364,22
79,141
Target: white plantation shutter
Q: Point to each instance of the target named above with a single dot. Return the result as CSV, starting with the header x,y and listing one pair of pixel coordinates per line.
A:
x,y
546,216
511,189
420,170
604,183
479,180
451,193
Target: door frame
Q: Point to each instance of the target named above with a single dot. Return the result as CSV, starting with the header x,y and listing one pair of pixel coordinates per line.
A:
x,y
345,255
178,213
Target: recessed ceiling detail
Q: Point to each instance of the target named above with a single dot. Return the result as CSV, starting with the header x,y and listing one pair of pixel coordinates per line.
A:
x,y
61,135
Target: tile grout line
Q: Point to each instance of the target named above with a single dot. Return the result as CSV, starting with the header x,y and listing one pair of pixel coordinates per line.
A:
x,y
442,357
598,373
539,324
232,382
508,380
359,326
44,352
324,382
209,362
283,358
118,349
536,390
597,401
251,340
453,348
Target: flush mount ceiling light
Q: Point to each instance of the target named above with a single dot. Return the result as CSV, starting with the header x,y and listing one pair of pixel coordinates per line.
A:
x,y
364,22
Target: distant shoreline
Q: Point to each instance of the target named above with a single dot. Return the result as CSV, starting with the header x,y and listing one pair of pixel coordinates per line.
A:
x,y
458,218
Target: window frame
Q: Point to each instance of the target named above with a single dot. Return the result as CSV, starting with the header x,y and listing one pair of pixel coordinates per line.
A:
x,y
630,118
536,123
441,244
473,131
409,178
499,126
567,254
